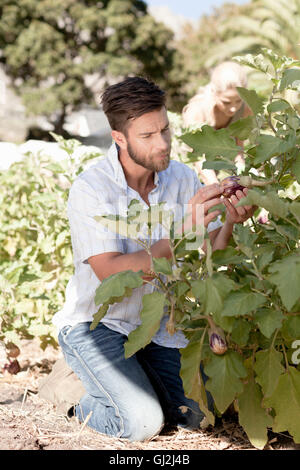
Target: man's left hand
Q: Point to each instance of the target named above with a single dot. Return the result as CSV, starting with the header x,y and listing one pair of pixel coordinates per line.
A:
x,y
238,215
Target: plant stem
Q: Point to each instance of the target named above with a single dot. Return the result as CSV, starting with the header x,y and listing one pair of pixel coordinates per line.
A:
x,y
171,322
258,273
284,167
274,337
256,228
290,222
285,357
150,282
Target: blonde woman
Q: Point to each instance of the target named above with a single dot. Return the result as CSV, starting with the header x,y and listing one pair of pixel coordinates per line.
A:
x,y
218,104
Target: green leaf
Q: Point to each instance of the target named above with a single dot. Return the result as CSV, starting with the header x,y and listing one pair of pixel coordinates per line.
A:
x,y
240,331
257,62
278,105
38,330
269,145
151,315
191,377
56,167
97,317
286,230
226,323
296,169
218,165
225,374
244,237
252,417
268,368
212,143
269,201
268,320
227,256
291,328
242,302
290,79
162,265
264,255
212,291
285,400
286,276
252,99
242,128
191,325
181,288
117,285
47,245
61,238
295,209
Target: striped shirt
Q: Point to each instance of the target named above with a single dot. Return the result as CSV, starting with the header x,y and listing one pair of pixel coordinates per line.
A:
x,y
102,189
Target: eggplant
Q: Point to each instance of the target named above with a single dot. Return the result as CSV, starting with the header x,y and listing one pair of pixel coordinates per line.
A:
x,y
232,184
13,367
217,342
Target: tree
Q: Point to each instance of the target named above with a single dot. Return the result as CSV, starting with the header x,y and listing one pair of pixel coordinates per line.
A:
x,y
195,46
49,48
273,24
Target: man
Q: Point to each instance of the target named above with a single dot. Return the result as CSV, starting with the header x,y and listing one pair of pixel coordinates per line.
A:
x,y
130,398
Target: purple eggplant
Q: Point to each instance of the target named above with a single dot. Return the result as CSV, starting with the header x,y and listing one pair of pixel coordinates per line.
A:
x,y
232,184
13,367
217,342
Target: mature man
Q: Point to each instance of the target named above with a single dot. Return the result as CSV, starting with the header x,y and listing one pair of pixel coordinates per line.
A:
x,y
131,398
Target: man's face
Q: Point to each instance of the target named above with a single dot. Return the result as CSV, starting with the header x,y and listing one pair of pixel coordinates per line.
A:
x,y
149,140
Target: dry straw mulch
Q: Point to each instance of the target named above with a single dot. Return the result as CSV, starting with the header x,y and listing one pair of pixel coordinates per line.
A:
x,y
28,422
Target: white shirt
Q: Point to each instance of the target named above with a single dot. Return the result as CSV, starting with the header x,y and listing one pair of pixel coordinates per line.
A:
x,y
100,190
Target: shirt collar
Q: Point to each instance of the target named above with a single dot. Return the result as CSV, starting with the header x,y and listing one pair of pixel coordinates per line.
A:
x,y
113,157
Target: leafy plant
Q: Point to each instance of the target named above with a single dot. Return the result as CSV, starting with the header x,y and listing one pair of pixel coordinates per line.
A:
x,y
259,23
248,292
35,247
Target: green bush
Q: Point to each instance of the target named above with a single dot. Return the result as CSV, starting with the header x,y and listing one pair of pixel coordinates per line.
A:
x,y
35,246
248,294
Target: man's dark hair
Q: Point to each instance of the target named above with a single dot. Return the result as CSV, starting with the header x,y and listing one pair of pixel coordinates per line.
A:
x,y
130,99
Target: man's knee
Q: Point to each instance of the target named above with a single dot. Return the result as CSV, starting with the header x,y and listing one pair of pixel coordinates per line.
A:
x,y
144,423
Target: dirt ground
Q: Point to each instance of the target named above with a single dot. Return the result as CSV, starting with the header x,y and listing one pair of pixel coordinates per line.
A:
x,y
28,422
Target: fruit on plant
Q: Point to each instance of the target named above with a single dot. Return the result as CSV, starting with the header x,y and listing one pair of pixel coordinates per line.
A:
x,y
232,184
12,367
217,342
12,350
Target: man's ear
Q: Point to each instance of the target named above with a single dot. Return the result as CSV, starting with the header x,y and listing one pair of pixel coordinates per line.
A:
x,y
120,139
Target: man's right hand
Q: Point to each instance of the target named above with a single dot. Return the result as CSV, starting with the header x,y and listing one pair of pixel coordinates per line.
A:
x,y
207,197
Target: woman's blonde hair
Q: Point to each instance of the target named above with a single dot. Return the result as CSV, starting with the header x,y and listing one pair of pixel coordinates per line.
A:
x,y
228,75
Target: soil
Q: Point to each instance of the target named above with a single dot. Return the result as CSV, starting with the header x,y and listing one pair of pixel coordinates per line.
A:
x,y
28,422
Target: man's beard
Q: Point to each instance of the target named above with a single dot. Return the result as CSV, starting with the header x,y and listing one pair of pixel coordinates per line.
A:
x,y
149,163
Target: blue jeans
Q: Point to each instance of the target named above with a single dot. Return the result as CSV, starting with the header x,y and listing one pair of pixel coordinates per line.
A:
x,y
130,398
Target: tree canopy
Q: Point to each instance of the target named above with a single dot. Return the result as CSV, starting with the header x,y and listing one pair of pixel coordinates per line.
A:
x,y
49,48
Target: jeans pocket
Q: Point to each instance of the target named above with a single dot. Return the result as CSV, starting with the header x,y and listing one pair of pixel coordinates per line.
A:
x,y
66,330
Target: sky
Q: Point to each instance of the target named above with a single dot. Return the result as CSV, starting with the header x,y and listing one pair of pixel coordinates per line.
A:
x,y
192,8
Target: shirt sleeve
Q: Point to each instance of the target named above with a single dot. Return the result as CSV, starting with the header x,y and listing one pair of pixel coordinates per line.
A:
x,y
216,223
88,236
